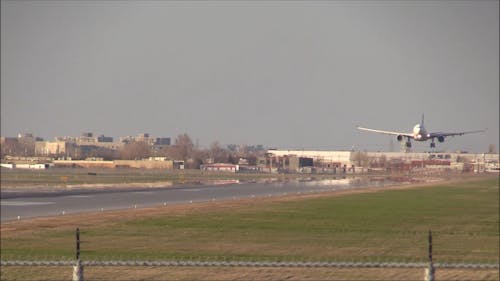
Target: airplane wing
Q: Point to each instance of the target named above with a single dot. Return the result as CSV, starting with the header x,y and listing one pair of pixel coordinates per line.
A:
x,y
386,132
441,134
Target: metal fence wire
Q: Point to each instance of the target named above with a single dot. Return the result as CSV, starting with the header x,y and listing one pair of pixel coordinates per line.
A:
x,y
255,264
78,264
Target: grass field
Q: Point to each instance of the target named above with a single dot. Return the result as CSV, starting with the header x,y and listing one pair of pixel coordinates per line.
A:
x,y
62,177
379,226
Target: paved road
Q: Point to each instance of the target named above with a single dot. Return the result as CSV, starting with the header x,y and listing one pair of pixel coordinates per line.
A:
x,y
42,205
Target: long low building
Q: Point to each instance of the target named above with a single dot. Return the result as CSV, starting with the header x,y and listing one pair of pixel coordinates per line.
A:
x,y
138,164
25,166
333,156
220,167
351,159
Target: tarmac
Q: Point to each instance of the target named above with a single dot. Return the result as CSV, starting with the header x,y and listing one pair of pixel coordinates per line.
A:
x,y
23,205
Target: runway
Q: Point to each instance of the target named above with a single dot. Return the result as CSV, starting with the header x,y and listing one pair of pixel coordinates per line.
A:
x,y
64,203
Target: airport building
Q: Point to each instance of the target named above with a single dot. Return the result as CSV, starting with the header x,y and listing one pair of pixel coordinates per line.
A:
x,y
220,167
358,161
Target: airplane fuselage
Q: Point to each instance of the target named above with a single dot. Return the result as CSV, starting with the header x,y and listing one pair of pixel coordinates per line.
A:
x,y
419,133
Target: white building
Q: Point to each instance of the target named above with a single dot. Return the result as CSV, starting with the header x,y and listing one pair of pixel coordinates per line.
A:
x,y
349,157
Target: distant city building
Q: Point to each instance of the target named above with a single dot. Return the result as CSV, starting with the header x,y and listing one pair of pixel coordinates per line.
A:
x,y
162,141
146,138
25,135
79,147
56,149
86,144
85,138
103,138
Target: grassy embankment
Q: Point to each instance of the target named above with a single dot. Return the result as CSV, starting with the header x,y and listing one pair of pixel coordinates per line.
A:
x,y
382,226
62,177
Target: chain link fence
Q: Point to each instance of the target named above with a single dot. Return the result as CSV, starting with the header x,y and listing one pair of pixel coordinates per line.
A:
x,y
255,264
78,264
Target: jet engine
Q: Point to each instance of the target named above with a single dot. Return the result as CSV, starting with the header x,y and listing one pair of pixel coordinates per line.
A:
x,y
399,138
441,139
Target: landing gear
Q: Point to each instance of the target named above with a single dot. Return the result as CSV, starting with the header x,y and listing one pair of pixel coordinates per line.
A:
x,y
406,147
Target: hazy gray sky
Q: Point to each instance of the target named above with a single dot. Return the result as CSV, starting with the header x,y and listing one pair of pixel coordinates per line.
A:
x,y
283,74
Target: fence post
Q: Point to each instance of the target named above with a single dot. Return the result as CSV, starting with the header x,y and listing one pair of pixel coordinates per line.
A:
x,y
78,268
78,271
429,272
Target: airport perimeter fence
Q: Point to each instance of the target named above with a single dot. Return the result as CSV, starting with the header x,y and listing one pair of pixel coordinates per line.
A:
x,y
78,264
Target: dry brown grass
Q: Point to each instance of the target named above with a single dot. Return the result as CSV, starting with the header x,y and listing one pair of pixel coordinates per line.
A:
x,y
239,273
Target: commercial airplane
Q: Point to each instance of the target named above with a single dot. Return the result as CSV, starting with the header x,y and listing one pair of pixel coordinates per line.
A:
x,y
420,134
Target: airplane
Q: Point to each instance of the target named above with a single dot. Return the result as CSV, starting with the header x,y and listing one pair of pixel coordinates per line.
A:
x,y
419,133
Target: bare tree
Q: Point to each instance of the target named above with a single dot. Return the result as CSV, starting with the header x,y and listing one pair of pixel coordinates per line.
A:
x,y
360,158
136,150
382,160
197,158
27,146
219,154
492,148
182,149
10,146
104,153
18,147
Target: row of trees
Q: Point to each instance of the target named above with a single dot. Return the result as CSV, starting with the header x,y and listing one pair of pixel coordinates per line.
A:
x,y
17,147
182,149
185,150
